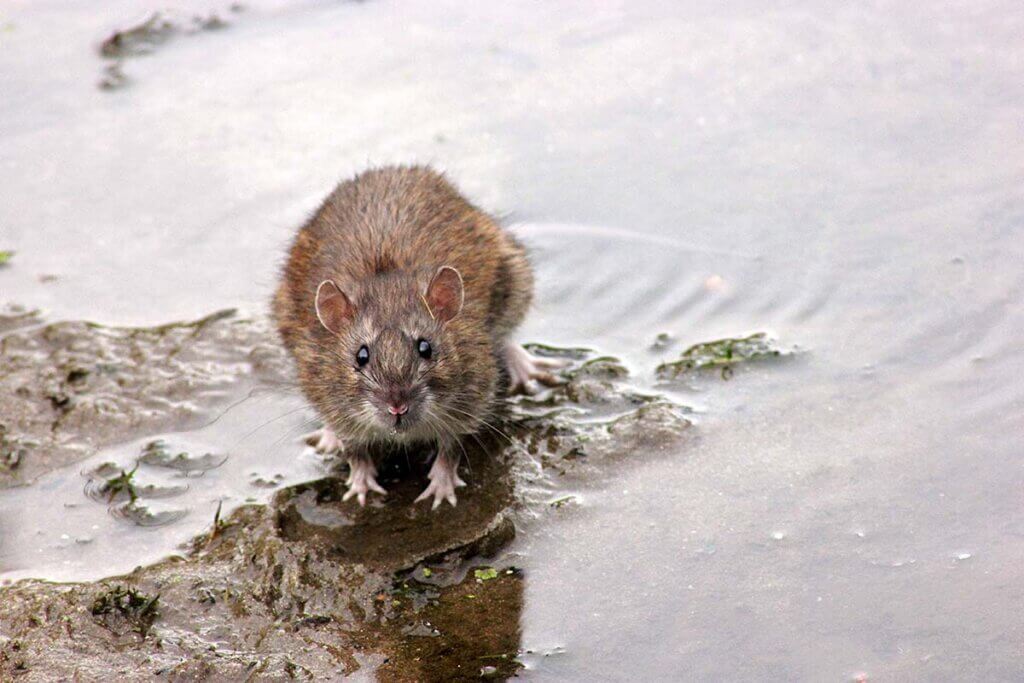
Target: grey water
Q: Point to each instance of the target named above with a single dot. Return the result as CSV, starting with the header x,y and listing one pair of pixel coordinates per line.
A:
x,y
847,177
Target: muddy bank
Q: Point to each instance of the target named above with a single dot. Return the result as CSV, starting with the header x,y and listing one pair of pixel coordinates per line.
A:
x,y
68,388
306,586
249,602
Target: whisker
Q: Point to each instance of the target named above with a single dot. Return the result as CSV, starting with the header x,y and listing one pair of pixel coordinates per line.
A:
x,y
483,422
274,419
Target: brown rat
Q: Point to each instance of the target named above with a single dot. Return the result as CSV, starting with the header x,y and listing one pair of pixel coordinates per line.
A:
x,y
397,301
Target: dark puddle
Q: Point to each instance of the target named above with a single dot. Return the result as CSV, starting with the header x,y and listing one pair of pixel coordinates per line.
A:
x,y
391,532
467,631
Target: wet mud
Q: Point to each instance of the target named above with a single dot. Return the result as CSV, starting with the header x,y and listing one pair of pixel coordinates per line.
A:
x,y
723,356
307,586
68,388
148,35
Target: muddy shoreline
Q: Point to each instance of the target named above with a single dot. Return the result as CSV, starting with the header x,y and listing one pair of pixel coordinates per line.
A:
x,y
305,586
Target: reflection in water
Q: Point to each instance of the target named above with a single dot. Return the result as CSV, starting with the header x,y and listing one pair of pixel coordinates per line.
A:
x,y
446,617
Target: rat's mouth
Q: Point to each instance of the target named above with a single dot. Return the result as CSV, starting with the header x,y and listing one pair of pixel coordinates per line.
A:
x,y
399,423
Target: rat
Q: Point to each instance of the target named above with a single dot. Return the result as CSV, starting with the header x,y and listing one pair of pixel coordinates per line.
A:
x,y
397,301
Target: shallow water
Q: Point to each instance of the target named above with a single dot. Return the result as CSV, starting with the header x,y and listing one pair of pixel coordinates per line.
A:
x,y
846,178
69,526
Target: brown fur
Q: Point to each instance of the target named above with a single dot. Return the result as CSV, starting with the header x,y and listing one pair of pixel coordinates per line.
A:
x,y
381,237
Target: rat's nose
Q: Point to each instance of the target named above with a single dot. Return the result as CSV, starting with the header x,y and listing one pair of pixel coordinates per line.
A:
x,y
397,401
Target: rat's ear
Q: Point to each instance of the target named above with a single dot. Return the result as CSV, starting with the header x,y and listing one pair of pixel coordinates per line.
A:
x,y
333,308
444,295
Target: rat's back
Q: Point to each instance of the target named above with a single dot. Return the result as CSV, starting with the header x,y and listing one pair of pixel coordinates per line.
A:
x,y
409,220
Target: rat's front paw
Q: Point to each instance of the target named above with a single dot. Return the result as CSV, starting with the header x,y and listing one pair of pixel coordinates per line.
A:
x,y
323,440
526,370
361,480
444,478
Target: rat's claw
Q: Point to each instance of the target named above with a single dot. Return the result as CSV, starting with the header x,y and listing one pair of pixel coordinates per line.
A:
x,y
360,495
440,491
323,440
525,370
361,480
444,479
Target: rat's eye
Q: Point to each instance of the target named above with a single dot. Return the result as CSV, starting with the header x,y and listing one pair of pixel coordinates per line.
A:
x,y
363,355
423,347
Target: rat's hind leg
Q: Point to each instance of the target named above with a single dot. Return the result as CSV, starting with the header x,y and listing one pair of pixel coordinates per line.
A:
x,y
444,478
324,440
526,370
362,478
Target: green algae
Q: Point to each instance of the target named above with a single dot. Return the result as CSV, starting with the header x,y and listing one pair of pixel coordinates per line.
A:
x,y
723,355
134,607
485,574
123,483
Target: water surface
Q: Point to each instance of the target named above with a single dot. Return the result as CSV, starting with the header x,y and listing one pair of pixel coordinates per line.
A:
x,y
847,178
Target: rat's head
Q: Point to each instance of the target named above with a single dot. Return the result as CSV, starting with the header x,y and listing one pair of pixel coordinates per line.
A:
x,y
393,358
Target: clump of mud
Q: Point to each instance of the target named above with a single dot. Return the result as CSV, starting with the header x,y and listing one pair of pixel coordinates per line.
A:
x,y
126,606
721,356
596,420
255,600
13,317
146,36
69,388
307,586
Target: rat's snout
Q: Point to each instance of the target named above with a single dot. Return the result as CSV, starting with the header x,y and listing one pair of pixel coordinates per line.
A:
x,y
396,402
